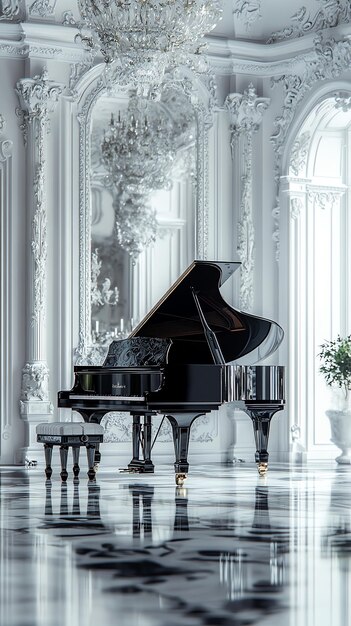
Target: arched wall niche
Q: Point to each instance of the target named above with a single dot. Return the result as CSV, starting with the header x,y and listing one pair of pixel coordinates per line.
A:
x,y
305,190
89,89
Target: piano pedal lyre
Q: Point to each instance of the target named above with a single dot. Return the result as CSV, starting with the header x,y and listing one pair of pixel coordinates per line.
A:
x,y
180,479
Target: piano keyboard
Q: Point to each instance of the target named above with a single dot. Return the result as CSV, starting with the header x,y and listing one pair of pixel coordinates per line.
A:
x,y
74,396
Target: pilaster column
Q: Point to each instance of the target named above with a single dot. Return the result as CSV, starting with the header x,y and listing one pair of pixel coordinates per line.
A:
x,y
38,98
245,112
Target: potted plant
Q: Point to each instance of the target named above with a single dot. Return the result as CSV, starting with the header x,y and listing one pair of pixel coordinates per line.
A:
x,y
335,356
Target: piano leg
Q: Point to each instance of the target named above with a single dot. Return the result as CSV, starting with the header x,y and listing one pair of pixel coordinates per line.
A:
x,y
261,420
181,425
139,435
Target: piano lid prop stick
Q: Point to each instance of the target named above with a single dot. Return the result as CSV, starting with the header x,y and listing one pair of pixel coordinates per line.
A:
x,y
209,334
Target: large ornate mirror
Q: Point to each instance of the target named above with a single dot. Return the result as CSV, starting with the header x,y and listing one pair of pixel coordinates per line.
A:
x,y
143,195
143,205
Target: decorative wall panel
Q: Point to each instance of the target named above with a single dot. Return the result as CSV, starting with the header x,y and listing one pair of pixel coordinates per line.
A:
x,y
6,386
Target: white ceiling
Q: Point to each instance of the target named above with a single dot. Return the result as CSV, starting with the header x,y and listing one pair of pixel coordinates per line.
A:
x,y
253,20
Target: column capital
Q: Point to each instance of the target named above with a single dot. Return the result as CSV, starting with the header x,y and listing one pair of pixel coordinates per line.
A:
x,y
38,96
245,111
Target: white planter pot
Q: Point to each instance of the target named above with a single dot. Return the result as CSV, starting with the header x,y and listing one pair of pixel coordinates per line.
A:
x,y
340,422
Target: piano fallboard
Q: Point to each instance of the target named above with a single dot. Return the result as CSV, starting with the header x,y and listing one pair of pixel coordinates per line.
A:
x,y
117,382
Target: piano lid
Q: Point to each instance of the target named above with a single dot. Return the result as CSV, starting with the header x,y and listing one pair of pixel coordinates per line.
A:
x,y
176,317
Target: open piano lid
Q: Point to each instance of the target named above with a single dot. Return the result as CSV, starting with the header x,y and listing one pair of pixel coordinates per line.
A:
x,y
175,316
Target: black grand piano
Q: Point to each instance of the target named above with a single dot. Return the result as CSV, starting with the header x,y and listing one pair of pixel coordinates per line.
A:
x,y
185,359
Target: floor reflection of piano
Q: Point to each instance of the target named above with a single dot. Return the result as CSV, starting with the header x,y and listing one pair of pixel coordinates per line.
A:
x,y
182,361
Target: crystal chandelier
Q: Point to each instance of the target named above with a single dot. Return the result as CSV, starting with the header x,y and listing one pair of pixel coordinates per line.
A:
x,y
143,37
138,147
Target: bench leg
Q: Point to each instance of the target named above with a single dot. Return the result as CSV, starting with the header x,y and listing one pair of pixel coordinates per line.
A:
x,y
97,456
63,457
75,454
48,456
91,455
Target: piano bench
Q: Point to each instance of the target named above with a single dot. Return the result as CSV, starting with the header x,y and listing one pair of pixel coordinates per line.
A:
x,y
74,434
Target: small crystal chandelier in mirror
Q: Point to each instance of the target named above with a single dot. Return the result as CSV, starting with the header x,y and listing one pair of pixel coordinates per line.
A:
x,y
140,38
138,151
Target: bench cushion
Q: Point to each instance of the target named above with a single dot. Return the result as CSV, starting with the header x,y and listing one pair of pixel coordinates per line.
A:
x,y
69,428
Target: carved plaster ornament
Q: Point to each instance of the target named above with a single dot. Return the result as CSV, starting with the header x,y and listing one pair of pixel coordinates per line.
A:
x,y
296,206
331,58
38,98
118,429
68,19
246,112
332,13
343,101
324,199
6,178
2,123
248,11
35,381
299,153
42,8
11,10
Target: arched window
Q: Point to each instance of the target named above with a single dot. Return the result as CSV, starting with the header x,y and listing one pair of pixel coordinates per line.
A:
x,y
320,256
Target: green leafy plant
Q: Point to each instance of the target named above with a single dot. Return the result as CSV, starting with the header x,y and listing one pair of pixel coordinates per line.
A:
x,y
336,362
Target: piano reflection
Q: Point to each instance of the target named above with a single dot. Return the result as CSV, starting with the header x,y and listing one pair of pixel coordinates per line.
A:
x,y
185,359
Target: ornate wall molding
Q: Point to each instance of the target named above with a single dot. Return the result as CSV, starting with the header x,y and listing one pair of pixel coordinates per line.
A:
x,y
42,8
246,113
301,192
342,101
12,10
330,59
247,11
38,98
68,19
299,153
6,367
296,207
324,199
118,429
332,13
35,382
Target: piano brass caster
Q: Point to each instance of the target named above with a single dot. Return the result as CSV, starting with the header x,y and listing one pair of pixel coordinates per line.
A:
x,y
180,478
262,468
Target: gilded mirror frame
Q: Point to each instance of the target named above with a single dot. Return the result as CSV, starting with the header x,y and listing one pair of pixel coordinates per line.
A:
x,y
90,88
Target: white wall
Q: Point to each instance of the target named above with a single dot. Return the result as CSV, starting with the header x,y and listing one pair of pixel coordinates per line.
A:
x,y
24,50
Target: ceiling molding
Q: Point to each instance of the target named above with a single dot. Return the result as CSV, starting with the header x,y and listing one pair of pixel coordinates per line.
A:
x,y
226,56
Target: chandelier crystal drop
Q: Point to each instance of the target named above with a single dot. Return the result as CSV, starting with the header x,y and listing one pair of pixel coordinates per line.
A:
x,y
136,223
144,36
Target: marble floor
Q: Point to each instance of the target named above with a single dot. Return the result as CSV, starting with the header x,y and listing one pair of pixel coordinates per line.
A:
x,y
230,549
